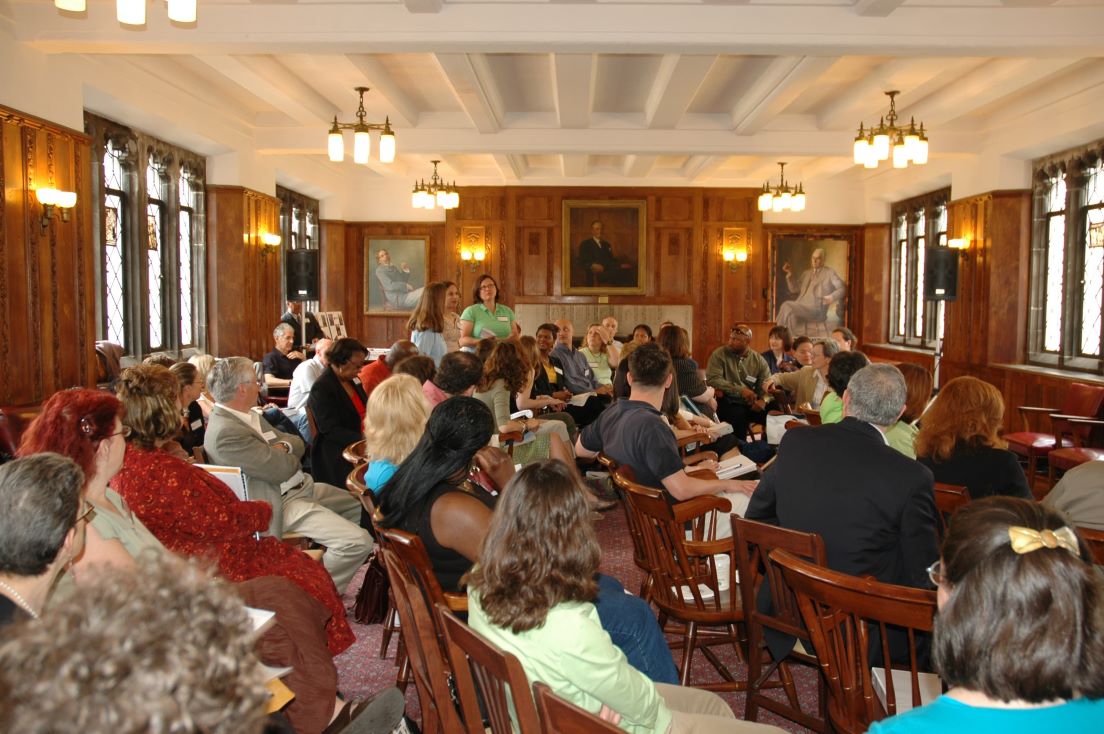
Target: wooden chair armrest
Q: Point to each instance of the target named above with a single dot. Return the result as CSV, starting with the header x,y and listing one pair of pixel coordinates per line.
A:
x,y
1025,410
698,437
709,547
512,437
699,457
698,506
456,602
1081,420
702,473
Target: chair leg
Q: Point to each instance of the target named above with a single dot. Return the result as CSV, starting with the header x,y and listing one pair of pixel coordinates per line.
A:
x,y
755,670
1032,464
390,624
788,684
688,652
402,660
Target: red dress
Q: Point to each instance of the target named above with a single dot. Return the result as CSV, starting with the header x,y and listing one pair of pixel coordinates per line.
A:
x,y
194,514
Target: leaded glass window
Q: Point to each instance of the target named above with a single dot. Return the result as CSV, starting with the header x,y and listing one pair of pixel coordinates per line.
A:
x,y
115,234
917,224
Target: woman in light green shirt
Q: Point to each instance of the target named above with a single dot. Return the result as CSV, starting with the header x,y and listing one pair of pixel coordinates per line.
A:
x,y
840,369
600,355
541,539
486,316
918,393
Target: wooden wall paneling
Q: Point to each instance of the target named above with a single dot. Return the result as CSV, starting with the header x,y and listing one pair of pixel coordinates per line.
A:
x,y
1008,244
673,253
964,312
335,269
873,309
47,328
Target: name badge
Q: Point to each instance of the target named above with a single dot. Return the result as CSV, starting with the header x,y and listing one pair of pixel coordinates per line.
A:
x,y
751,379
558,370
356,380
269,435
503,318
197,424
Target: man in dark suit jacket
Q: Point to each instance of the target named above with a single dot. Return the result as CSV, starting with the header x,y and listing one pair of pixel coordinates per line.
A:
x,y
874,507
292,318
599,265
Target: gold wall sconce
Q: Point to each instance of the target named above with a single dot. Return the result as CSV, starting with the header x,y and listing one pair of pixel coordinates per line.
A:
x,y
735,248
52,199
270,241
959,243
473,246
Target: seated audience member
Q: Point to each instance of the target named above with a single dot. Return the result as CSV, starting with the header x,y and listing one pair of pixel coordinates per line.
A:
x,y
779,357
417,366
808,384
642,334
506,374
42,525
1019,637
840,369
676,341
238,436
376,372
484,348
609,323
203,363
337,403
1079,495
433,497
193,513
166,649
280,363
393,425
307,373
741,374
160,358
687,423
844,339
633,433
960,441
802,352
192,425
549,380
427,323
86,425
598,355
873,507
294,317
577,375
918,384
541,539
548,407
458,374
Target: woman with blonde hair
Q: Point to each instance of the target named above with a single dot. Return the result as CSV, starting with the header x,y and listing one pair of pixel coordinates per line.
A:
x,y
393,424
599,354
427,323
960,441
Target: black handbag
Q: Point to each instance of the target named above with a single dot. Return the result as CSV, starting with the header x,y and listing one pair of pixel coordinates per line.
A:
x,y
371,602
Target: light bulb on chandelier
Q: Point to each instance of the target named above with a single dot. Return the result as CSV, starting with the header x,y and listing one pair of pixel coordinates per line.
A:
x,y
888,142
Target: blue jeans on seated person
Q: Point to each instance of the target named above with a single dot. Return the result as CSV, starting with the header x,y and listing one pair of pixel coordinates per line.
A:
x,y
632,626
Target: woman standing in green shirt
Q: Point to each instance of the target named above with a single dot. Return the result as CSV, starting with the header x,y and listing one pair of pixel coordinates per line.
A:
x,y
486,316
541,540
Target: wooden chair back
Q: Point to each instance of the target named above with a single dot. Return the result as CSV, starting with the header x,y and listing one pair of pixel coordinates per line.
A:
x,y
558,716
949,499
812,416
355,484
311,425
1083,400
478,667
416,594
840,612
1095,540
355,453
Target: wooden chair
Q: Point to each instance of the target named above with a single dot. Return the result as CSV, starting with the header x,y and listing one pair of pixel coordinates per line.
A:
x,y
1095,541
839,611
416,593
812,416
354,452
477,664
754,541
199,455
621,477
949,499
687,588
558,716
1081,401
311,425
1088,445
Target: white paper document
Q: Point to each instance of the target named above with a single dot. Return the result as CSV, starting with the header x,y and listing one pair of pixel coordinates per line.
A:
x,y
737,466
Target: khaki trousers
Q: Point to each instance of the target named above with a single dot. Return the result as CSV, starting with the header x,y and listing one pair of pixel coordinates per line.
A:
x,y
694,711
321,513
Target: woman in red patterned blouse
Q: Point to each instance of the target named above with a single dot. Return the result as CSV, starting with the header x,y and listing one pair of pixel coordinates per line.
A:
x,y
195,514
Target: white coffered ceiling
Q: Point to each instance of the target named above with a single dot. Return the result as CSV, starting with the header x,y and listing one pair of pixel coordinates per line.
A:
x,y
656,92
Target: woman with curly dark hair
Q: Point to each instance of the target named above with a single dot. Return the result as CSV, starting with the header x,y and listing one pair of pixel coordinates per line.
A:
x,y
532,594
960,441
1019,638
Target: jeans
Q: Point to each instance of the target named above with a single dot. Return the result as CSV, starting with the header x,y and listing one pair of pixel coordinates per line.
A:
x,y
633,628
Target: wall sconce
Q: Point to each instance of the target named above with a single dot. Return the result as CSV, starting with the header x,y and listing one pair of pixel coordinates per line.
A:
x,y
269,241
959,243
51,198
734,247
473,247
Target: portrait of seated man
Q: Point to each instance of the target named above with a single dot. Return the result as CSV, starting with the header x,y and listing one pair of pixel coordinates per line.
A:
x,y
598,264
817,288
398,292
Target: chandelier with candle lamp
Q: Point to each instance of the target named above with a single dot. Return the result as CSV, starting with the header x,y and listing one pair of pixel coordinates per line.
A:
x,y
888,141
435,193
362,136
782,197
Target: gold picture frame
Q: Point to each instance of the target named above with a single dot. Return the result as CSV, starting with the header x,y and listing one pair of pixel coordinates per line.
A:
x,y
611,262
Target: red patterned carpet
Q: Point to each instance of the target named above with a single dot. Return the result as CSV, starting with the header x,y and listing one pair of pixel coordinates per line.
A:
x,y
361,671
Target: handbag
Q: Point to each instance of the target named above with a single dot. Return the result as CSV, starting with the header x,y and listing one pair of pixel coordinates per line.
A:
x,y
371,602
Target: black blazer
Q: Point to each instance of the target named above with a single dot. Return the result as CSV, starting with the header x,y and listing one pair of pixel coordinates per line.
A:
x,y
338,424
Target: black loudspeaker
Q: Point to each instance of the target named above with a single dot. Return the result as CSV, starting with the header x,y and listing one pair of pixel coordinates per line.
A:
x,y
940,274
302,275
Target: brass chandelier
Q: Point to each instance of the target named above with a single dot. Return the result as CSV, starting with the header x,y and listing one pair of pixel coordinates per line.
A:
x,y
362,137
905,145
783,196
436,193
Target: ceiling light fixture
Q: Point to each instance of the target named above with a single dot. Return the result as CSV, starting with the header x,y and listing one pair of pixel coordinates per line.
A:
x,y
362,138
782,197
72,6
904,145
435,193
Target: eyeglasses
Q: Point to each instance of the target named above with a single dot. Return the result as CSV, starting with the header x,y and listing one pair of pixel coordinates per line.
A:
x,y
125,432
935,573
88,511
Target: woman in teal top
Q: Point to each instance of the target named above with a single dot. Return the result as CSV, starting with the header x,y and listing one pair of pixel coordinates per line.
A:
x,y
542,540
1019,638
394,421
486,316
840,369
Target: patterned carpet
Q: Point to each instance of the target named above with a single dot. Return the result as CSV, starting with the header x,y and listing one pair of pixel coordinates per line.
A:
x,y
361,671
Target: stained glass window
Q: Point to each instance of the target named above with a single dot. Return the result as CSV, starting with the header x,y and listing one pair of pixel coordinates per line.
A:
x,y
155,215
114,322
185,257
1093,253
918,223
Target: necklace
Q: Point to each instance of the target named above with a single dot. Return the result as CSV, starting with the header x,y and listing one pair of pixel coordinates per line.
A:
x,y
18,599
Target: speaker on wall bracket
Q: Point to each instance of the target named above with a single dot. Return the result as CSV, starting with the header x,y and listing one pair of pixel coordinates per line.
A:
x,y
940,274
302,275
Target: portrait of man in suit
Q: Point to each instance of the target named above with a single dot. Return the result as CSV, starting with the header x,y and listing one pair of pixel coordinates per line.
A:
x,y
603,246
394,274
810,299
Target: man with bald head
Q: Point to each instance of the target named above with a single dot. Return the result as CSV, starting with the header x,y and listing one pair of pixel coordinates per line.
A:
x,y
376,372
578,377
816,289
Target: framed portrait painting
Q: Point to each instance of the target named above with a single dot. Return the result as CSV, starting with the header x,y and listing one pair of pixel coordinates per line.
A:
x,y
810,282
394,273
603,247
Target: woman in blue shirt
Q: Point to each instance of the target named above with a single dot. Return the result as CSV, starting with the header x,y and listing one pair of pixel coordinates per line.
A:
x,y
427,323
1019,638
486,316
